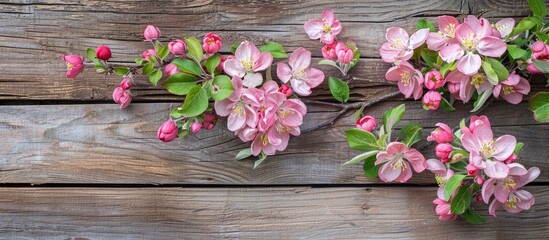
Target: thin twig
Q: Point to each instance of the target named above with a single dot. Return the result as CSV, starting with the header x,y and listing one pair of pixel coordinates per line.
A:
x,y
345,107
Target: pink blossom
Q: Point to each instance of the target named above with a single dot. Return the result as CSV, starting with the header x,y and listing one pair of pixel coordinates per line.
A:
x,y
196,126
329,51
468,84
396,162
168,131
446,34
151,33
209,121
126,83
103,53
344,54
432,100
75,65
443,210
473,37
487,154
505,26
442,174
177,47
443,151
241,107
506,190
302,77
171,69
400,46
286,90
540,51
512,89
149,52
366,123
472,170
410,80
211,43
122,97
434,80
326,28
441,134
247,63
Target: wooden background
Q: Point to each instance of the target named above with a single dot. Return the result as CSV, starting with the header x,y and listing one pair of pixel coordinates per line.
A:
x,y
75,166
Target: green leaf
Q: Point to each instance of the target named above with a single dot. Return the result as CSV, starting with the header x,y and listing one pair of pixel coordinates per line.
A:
x,y
462,200
482,99
327,62
539,104
243,154
358,112
194,48
516,52
148,68
212,62
234,47
452,184
542,66
188,66
356,54
446,106
370,169
179,83
140,61
122,71
339,89
361,140
361,157
163,52
525,24
459,166
411,132
155,77
471,216
447,67
276,50
518,147
90,53
392,117
423,23
196,102
430,57
261,158
498,67
222,87
490,73
538,8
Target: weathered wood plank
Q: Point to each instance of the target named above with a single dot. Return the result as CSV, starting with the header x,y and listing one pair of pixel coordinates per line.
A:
x,y
36,33
104,144
257,213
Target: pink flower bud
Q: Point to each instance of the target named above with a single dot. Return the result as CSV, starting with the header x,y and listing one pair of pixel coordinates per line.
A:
x,y
443,151
434,80
344,54
122,97
209,117
479,198
211,43
208,125
195,127
479,180
532,68
453,88
75,65
170,69
431,100
472,170
539,50
366,123
177,47
286,90
168,131
329,51
126,83
151,33
511,159
442,134
103,53
148,53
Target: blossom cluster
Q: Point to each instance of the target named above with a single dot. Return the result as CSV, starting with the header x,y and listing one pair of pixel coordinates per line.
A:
x,y
258,109
472,59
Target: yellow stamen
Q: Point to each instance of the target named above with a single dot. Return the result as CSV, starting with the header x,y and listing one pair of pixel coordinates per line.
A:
x,y
264,139
511,202
450,30
478,79
405,78
440,180
247,63
327,28
509,183
470,41
69,66
487,148
508,89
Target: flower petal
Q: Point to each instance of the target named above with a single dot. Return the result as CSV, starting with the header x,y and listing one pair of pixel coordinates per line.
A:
x,y
451,53
252,80
488,190
504,146
495,169
469,64
283,72
418,38
491,46
314,77
300,59
314,28
263,61
416,159
233,68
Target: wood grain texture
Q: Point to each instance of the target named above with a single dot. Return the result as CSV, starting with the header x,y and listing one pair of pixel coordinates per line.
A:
x,y
258,213
103,144
36,33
